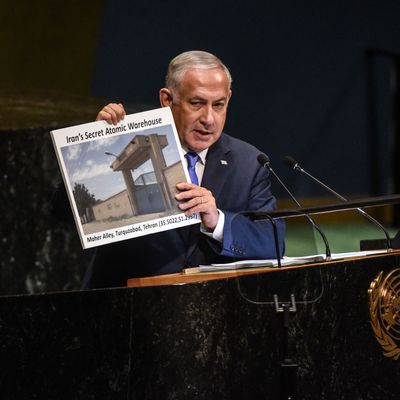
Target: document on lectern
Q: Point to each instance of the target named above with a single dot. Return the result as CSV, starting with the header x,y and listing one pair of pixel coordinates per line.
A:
x,y
284,262
121,179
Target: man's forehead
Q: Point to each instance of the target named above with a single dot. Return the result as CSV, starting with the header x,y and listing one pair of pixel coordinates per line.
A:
x,y
205,82
210,76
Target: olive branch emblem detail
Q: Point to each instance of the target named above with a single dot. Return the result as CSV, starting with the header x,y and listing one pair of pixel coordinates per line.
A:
x,y
384,307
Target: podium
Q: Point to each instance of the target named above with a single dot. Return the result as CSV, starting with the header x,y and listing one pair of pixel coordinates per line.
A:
x,y
214,336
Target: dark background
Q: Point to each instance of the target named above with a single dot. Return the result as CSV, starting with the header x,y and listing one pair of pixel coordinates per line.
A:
x,y
299,69
316,80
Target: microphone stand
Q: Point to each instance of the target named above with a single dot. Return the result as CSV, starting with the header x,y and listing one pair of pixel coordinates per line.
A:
x,y
276,240
288,368
266,163
294,164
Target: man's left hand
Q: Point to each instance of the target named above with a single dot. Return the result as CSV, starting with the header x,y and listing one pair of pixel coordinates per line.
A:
x,y
196,199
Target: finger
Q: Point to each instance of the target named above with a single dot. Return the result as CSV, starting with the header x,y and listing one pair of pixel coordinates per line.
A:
x,y
195,204
103,115
116,112
186,186
122,110
208,212
192,191
112,113
187,195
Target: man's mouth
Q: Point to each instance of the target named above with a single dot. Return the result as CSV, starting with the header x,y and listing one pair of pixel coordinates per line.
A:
x,y
203,133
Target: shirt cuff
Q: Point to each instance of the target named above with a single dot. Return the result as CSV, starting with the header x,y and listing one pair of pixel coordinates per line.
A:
x,y
218,232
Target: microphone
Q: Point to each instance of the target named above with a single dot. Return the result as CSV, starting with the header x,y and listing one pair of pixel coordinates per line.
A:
x,y
264,160
292,163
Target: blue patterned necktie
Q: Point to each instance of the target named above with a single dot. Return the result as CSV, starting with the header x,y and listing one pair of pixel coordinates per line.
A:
x,y
192,159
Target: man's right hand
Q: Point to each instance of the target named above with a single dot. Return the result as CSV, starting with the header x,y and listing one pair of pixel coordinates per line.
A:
x,y
113,113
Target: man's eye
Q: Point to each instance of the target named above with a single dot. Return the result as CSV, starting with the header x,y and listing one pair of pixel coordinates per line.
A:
x,y
219,106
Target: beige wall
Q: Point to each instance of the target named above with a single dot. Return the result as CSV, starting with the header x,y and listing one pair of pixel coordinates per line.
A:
x,y
114,207
173,174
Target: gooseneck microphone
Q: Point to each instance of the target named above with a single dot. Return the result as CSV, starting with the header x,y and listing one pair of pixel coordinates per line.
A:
x,y
292,163
264,160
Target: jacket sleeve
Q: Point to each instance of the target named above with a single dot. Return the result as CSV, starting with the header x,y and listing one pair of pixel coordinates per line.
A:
x,y
244,238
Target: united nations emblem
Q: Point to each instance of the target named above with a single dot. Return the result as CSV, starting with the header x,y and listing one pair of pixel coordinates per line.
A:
x,y
384,308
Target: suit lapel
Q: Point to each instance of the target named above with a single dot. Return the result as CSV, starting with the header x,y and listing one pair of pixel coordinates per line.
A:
x,y
218,164
214,178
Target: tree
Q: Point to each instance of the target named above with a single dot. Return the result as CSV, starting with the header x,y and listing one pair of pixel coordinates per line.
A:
x,y
84,200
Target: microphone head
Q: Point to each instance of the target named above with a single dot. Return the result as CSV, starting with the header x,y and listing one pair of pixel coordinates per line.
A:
x,y
291,162
263,159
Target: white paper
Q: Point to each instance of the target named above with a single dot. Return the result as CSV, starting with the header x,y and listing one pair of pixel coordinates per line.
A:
x,y
131,171
285,261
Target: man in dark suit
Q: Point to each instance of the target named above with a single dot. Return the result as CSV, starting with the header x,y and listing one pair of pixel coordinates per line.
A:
x,y
226,179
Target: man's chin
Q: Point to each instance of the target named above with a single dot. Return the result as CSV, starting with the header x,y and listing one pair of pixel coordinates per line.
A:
x,y
200,145
201,142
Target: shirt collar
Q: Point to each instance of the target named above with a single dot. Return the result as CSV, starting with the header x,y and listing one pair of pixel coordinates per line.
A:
x,y
202,154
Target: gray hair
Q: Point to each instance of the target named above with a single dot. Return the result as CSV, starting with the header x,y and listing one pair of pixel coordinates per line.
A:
x,y
192,59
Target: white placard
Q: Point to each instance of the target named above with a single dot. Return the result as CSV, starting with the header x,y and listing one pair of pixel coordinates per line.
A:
x,y
121,179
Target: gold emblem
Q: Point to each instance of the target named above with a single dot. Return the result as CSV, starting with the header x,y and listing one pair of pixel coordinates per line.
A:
x,y
384,308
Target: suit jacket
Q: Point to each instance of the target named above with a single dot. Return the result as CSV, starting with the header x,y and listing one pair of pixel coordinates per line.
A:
x,y
238,183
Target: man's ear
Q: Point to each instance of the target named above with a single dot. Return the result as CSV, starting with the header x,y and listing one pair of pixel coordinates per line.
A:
x,y
165,97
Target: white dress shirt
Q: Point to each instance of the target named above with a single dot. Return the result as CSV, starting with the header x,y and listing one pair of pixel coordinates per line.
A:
x,y
218,232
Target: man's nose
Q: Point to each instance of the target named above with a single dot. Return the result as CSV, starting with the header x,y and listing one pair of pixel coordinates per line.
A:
x,y
207,116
